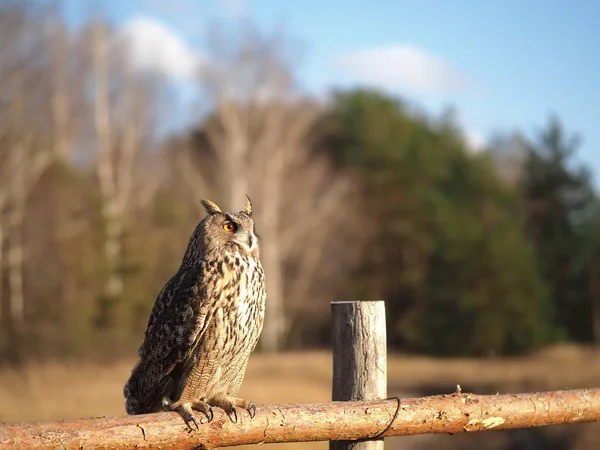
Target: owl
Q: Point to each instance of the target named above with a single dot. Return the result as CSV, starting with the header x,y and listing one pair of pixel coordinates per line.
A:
x,y
204,324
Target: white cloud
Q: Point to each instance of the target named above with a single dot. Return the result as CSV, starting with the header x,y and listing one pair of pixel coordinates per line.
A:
x,y
235,9
404,66
474,140
156,47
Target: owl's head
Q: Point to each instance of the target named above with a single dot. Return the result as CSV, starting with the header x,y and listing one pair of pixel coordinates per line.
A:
x,y
220,229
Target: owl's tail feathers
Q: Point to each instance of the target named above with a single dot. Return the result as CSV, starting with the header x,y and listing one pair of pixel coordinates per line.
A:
x,y
131,391
144,389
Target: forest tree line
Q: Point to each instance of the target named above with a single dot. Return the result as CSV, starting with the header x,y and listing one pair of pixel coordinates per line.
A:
x,y
357,196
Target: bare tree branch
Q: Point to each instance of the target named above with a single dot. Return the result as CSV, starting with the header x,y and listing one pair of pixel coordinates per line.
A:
x,y
30,161
130,143
194,180
59,98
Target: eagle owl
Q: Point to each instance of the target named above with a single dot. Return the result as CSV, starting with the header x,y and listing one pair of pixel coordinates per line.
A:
x,y
204,324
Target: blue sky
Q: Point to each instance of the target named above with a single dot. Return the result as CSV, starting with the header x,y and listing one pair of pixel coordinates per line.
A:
x,y
503,64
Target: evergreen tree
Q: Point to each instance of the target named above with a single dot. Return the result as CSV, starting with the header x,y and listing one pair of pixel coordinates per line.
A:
x,y
448,249
559,208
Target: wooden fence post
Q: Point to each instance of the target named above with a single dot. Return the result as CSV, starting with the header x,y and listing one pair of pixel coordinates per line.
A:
x,y
359,359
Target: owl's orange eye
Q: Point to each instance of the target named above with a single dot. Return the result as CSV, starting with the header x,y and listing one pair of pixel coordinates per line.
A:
x,y
230,227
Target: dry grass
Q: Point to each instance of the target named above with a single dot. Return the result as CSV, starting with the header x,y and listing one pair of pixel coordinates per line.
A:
x,y
63,391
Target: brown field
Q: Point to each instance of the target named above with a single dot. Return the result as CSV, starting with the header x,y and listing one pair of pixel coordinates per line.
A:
x,y
62,391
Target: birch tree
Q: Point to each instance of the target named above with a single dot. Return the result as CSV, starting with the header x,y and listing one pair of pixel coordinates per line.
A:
x,y
25,154
122,109
27,160
260,134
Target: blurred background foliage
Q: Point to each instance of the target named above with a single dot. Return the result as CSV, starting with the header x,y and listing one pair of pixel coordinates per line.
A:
x,y
358,194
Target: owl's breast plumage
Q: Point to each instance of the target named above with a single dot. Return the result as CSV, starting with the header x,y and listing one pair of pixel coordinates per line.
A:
x,y
219,359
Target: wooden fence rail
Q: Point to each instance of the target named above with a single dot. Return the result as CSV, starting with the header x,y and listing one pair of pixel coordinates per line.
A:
x,y
452,413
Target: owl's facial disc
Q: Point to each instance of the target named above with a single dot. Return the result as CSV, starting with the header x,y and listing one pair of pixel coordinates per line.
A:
x,y
240,231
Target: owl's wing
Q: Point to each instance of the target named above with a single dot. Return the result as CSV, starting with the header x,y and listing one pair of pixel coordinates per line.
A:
x,y
178,319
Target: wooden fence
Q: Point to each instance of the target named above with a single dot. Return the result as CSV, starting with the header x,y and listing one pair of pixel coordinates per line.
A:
x,y
359,417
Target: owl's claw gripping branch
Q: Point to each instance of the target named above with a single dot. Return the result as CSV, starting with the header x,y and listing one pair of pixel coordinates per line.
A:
x,y
252,410
233,413
183,409
205,408
193,419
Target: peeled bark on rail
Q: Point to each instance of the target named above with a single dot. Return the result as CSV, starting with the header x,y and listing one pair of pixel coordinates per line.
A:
x,y
451,414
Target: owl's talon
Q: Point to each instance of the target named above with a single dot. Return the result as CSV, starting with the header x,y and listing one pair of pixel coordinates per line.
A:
x,y
193,419
232,413
183,409
204,408
230,404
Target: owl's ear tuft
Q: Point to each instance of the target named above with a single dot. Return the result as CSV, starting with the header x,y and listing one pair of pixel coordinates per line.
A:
x,y
248,206
211,207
